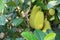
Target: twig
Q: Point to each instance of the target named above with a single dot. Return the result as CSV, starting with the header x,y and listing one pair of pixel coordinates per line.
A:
x,y
27,19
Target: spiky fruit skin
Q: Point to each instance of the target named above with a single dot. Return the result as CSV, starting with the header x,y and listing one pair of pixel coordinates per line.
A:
x,y
32,15
46,26
51,11
36,18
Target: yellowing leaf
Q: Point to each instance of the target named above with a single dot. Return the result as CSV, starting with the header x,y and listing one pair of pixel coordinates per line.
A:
x,y
51,11
50,36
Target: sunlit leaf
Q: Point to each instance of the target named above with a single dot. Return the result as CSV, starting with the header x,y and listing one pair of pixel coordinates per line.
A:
x,y
33,1
29,36
2,5
52,18
51,4
50,36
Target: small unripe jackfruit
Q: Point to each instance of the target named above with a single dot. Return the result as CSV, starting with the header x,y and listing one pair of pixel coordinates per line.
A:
x,y
51,11
46,26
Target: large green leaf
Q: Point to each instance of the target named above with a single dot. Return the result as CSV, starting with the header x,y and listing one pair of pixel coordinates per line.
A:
x,y
51,4
39,34
50,36
29,36
3,19
41,4
2,5
17,21
19,39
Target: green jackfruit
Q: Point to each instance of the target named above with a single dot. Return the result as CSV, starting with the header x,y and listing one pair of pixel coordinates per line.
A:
x,y
36,18
46,26
51,11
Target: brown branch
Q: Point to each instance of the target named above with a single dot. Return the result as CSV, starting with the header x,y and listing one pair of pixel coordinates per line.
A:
x,y
27,19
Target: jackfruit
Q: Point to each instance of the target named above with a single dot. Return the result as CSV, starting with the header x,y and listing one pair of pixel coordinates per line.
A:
x,y
36,18
46,26
51,11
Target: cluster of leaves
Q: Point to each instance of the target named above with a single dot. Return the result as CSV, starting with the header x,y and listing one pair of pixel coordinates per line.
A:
x,y
20,21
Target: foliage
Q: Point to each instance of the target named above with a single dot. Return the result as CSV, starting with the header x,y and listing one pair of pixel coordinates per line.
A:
x,y
29,19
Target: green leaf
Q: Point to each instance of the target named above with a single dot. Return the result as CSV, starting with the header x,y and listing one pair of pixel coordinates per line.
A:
x,y
51,4
58,9
57,36
58,1
33,1
14,39
2,5
49,31
50,36
17,21
39,34
29,36
20,3
19,39
3,19
41,4
11,3
59,26
8,38
52,18
25,5
2,28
